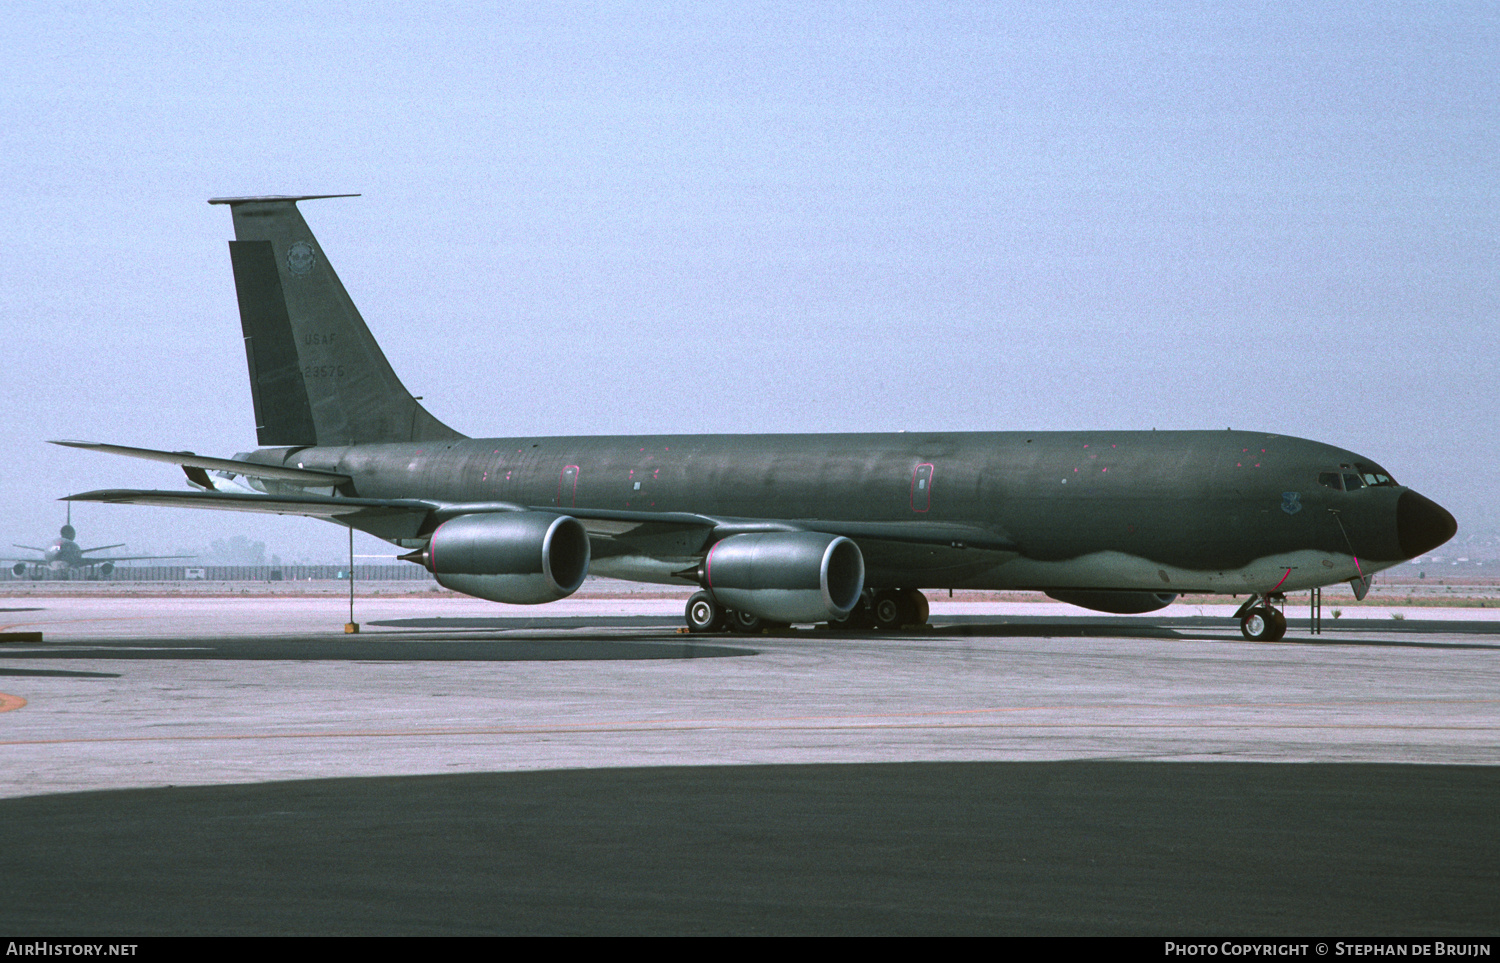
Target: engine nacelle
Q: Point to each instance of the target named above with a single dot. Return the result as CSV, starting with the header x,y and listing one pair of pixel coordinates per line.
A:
x,y
786,576
1118,603
107,568
524,558
18,569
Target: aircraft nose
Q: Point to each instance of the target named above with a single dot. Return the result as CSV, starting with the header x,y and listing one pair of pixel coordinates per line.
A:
x,y
1422,524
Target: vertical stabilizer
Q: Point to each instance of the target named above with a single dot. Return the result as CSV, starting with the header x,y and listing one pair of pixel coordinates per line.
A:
x,y
316,373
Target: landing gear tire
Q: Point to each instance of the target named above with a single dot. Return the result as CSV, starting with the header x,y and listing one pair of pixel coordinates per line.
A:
x,y
743,623
1263,624
891,609
919,607
705,614
858,619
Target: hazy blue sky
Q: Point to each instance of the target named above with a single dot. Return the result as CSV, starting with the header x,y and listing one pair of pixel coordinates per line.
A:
x,y
637,217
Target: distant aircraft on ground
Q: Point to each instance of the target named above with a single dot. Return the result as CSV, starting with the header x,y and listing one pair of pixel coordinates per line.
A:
x,y
844,529
64,557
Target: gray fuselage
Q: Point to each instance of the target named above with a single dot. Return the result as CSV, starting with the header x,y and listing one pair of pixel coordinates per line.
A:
x,y
1195,511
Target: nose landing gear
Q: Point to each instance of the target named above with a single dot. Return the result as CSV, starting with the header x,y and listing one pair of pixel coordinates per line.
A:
x,y
1260,620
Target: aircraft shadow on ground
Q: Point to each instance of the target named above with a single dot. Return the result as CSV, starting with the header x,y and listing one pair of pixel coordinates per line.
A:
x,y
570,648
1059,628
1104,848
531,639
1223,630
523,622
56,673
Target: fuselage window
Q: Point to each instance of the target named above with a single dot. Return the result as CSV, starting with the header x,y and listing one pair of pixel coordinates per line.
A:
x,y
1331,479
1351,482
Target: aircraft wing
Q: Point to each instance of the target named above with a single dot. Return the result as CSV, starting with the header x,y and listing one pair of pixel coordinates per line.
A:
x,y
621,524
382,517
417,517
947,534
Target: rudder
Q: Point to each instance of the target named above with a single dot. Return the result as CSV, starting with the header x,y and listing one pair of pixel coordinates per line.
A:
x,y
317,376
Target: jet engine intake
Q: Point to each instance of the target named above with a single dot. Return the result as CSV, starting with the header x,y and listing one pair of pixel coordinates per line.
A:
x,y
1118,603
524,558
786,576
18,569
107,568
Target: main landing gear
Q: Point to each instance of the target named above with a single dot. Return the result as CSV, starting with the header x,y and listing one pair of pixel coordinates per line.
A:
x,y
705,614
886,610
1260,620
892,609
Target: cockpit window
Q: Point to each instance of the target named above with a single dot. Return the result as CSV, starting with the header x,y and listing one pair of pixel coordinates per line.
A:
x,y
1355,477
1374,476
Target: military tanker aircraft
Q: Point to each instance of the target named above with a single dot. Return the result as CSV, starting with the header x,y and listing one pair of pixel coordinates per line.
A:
x,y
63,557
846,529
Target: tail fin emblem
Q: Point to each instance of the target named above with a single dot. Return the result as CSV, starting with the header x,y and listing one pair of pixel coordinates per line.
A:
x,y
299,260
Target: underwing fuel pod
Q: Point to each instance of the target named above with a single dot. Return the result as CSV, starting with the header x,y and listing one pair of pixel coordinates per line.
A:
x,y
845,529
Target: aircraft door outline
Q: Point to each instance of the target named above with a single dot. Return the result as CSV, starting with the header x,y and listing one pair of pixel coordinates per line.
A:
x,y
921,487
567,486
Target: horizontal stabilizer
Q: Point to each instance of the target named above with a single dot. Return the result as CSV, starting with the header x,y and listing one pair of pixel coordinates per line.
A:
x,y
187,459
275,197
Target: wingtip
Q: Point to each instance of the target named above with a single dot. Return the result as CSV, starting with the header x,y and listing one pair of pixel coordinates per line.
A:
x,y
98,495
